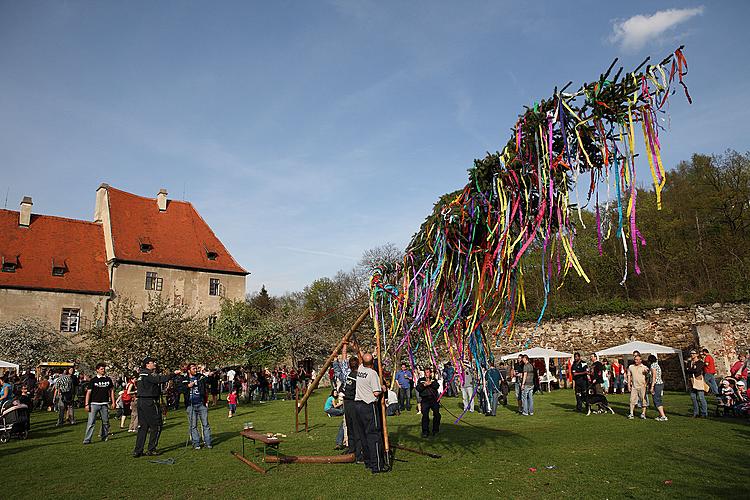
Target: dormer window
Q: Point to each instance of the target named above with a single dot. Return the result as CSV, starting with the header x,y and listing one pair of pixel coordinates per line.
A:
x,y
10,264
211,253
59,268
145,244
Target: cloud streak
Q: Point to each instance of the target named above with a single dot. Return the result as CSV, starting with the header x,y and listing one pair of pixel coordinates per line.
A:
x,y
635,32
317,252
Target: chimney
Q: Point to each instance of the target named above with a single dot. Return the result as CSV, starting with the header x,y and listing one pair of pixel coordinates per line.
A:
x,y
161,200
25,216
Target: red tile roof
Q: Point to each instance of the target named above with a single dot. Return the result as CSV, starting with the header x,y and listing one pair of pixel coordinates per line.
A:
x,y
76,245
179,236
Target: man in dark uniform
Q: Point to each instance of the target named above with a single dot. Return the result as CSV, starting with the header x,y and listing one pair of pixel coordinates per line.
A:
x,y
580,373
350,391
427,387
149,410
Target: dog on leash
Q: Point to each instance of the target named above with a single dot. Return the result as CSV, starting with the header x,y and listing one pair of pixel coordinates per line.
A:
x,y
600,400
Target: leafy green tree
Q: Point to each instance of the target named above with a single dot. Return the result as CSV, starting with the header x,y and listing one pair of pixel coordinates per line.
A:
x,y
170,333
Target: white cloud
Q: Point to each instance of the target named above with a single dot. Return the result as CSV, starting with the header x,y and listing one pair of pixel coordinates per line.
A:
x,y
633,33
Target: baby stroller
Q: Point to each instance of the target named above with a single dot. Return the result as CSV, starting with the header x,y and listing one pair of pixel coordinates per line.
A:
x,y
14,421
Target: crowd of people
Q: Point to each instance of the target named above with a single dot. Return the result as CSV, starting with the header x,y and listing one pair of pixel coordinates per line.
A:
x,y
356,393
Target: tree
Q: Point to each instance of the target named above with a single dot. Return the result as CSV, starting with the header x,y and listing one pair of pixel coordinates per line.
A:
x,y
262,302
170,333
29,341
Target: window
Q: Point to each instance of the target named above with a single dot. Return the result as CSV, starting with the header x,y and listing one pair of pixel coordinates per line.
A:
x,y
153,282
58,271
70,320
145,244
212,255
211,322
10,264
215,288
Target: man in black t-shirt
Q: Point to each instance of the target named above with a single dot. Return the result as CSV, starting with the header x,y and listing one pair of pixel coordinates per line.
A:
x,y
100,394
580,373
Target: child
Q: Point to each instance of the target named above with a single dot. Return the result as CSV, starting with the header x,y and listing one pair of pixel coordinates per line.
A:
x,y
232,400
727,394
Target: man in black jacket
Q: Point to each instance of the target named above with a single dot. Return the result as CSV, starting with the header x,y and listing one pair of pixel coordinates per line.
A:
x,y
427,387
197,406
149,411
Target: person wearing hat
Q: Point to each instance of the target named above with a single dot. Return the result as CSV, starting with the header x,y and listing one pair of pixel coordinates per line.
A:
x,y
149,411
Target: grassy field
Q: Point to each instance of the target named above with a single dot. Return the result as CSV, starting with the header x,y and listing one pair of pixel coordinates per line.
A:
x,y
600,456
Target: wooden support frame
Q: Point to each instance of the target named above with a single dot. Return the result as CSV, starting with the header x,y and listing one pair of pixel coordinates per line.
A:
x,y
324,370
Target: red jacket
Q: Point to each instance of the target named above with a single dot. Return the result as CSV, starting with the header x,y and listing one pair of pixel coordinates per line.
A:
x,y
710,364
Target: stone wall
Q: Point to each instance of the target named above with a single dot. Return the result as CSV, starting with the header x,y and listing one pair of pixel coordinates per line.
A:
x,y
724,329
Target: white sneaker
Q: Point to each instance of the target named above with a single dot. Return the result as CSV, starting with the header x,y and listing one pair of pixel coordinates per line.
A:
x,y
631,417
643,417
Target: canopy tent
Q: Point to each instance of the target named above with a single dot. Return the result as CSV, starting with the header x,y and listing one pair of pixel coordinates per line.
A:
x,y
541,353
6,364
647,348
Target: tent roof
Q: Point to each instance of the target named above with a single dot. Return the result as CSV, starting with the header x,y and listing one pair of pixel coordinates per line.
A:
x,y
6,364
637,345
539,352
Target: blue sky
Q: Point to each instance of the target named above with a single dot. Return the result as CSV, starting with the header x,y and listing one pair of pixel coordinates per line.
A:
x,y
307,132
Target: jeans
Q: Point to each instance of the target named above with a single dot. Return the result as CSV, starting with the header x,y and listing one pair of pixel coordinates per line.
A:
x,y
340,435
335,412
494,395
94,410
404,398
711,381
697,396
658,394
467,393
527,399
619,384
195,413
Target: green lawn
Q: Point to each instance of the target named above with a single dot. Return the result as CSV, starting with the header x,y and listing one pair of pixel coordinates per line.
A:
x,y
600,456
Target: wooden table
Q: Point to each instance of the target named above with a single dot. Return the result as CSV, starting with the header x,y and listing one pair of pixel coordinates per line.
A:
x,y
268,443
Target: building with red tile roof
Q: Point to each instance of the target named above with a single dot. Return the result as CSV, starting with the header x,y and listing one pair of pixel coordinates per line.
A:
x,y
67,271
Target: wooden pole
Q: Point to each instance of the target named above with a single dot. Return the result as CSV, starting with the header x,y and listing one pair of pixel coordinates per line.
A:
x,y
307,429
296,413
327,364
292,459
254,466
386,446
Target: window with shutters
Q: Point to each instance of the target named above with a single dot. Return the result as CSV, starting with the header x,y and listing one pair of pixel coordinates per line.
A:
x,y
153,282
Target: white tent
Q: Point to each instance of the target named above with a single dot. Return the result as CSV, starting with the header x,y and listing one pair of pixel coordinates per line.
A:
x,y
541,353
6,364
644,348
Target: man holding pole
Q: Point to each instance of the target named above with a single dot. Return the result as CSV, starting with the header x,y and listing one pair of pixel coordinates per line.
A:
x,y
367,401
